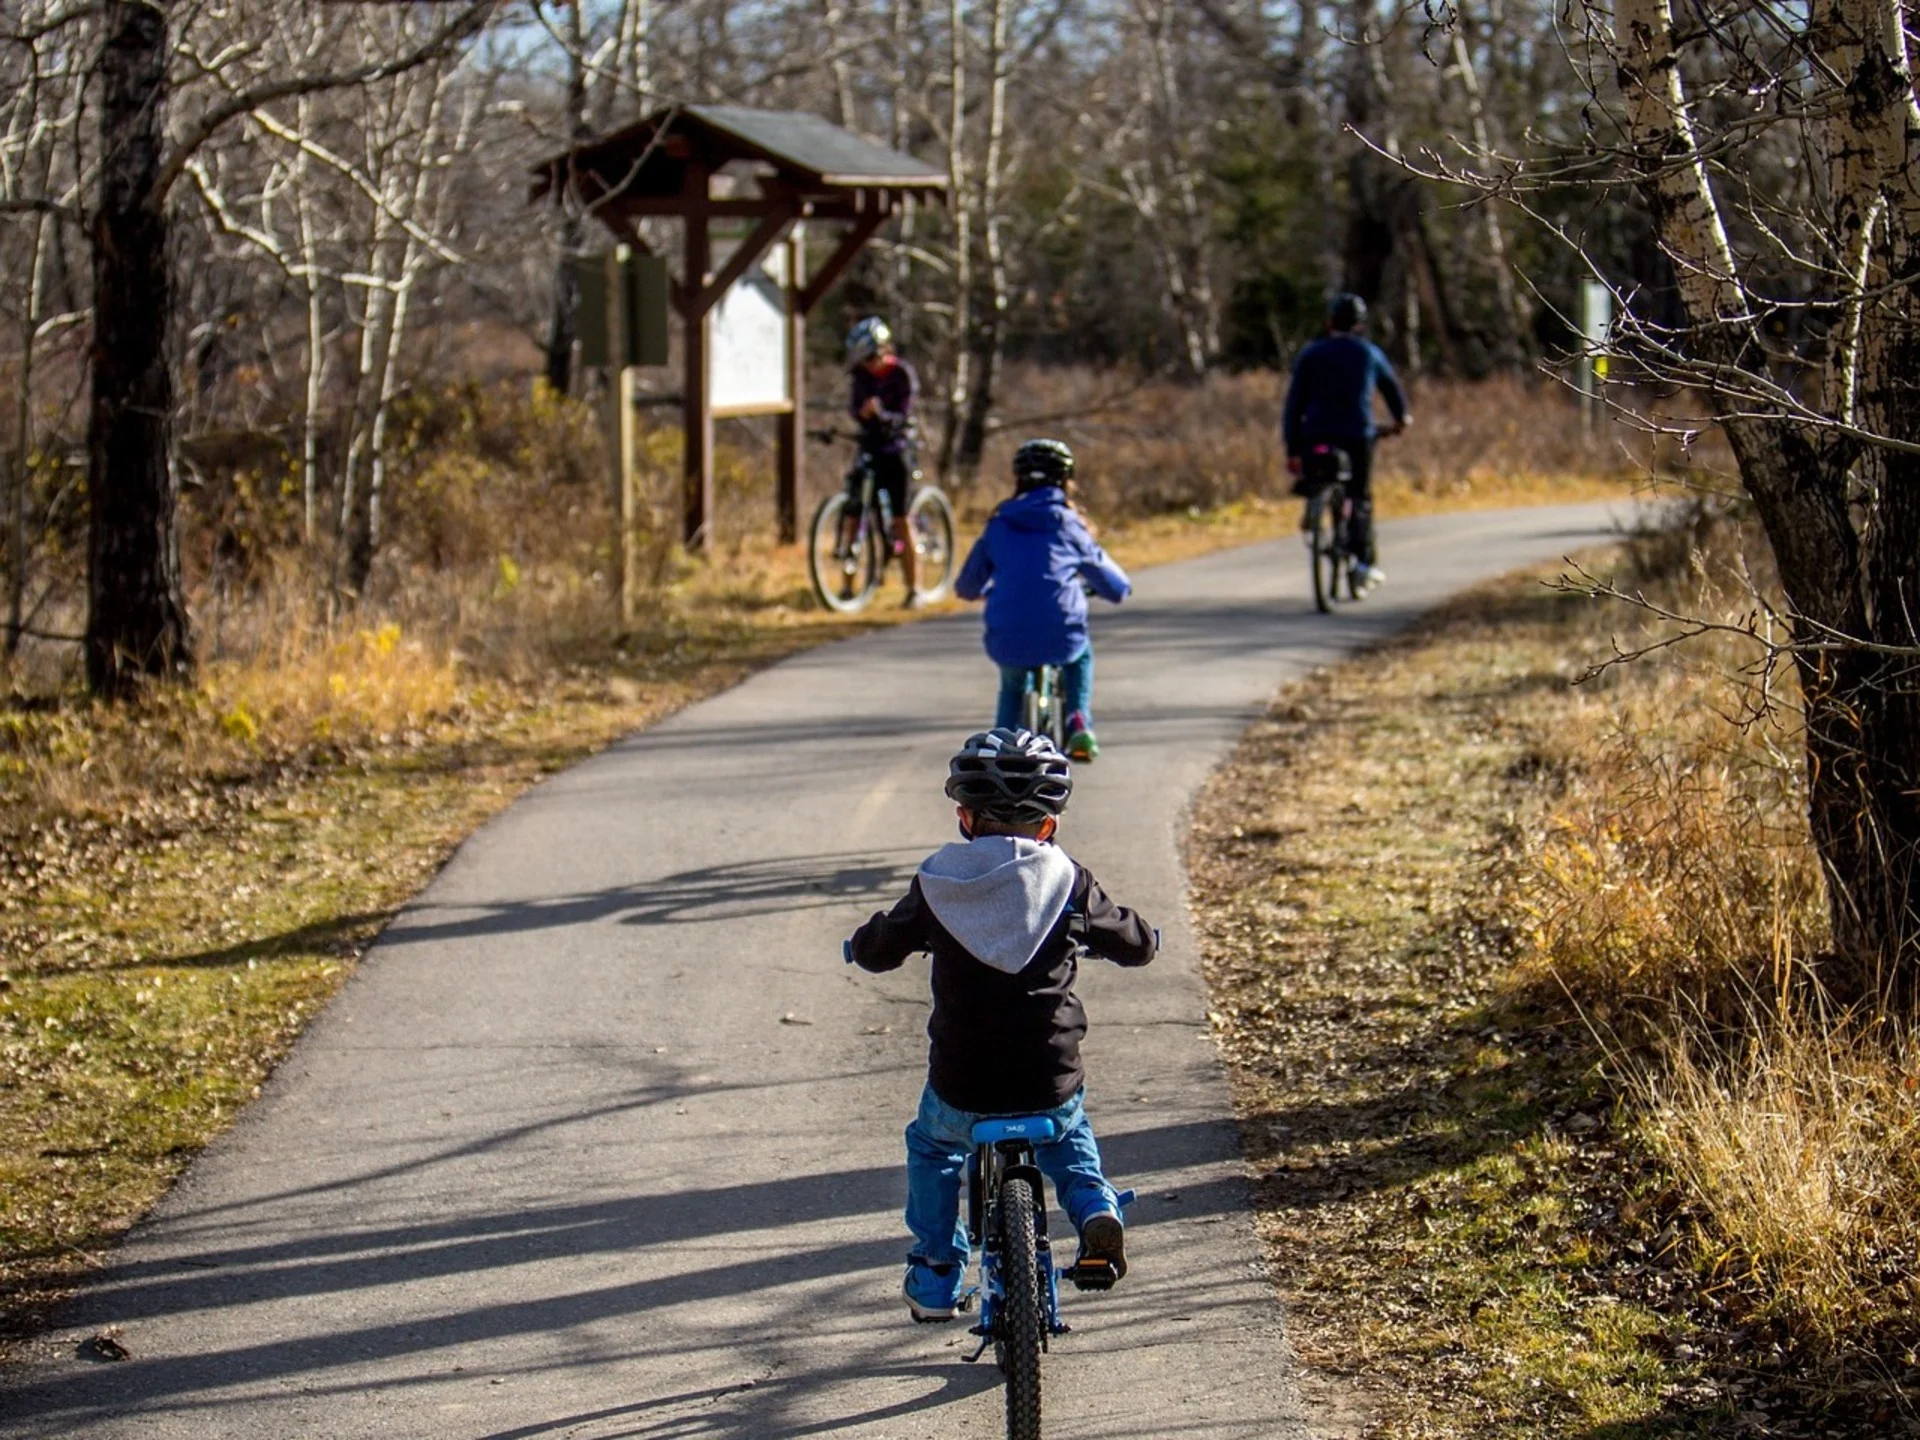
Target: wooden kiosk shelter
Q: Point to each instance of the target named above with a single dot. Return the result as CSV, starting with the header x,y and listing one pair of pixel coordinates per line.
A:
x,y
774,170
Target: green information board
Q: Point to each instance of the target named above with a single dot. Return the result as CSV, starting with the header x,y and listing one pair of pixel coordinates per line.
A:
x,y
644,291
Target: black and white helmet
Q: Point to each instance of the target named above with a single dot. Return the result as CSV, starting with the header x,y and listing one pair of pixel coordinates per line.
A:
x,y
1013,776
1042,462
867,339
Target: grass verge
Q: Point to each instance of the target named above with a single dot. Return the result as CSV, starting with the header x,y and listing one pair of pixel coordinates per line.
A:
x,y
1484,1214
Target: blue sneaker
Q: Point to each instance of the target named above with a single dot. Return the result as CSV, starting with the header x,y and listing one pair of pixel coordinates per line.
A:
x,y
932,1291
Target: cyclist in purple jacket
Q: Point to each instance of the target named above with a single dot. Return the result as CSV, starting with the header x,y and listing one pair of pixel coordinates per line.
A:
x,y
884,389
1330,401
1034,563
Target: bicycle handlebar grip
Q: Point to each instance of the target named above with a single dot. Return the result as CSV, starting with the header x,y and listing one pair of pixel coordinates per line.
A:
x,y
846,951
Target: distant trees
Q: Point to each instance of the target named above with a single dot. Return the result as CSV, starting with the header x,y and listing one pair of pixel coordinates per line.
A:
x,y
239,67
268,220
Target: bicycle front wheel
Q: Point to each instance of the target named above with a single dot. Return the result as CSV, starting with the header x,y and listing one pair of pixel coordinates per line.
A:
x,y
843,555
930,527
1023,1317
1324,553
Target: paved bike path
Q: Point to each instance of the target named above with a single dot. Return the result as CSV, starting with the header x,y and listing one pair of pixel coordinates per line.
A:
x,y
603,1140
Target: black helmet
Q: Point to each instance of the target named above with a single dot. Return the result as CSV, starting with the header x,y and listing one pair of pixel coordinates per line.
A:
x,y
1346,311
1013,776
1042,462
867,339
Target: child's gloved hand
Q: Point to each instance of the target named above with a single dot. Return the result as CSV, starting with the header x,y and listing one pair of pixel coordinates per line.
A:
x,y
846,951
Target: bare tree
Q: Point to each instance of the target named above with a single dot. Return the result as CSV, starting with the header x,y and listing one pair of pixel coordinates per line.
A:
x,y
137,623
1704,116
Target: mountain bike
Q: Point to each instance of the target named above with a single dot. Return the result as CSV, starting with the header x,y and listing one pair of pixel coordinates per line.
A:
x,y
1019,1291
1325,471
851,541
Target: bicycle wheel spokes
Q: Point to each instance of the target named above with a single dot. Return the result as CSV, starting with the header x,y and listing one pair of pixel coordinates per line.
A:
x,y
930,523
843,556
1023,1320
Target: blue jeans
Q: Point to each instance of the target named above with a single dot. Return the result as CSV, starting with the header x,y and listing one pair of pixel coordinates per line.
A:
x,y
938,1143
1076,689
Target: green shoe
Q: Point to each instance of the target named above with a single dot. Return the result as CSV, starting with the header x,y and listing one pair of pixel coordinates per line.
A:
x,y
1081,745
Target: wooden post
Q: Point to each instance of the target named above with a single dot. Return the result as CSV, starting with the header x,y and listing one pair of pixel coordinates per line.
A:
x,y
621,427
791,428
697,497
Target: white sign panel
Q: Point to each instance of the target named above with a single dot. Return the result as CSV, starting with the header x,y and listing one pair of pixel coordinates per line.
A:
x,y
747,341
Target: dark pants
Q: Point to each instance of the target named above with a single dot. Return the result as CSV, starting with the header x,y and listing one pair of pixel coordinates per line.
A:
x,y
1360,492
892,473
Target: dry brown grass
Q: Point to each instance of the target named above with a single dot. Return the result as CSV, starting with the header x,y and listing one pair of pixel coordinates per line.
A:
x,y
1518,979
1803,1146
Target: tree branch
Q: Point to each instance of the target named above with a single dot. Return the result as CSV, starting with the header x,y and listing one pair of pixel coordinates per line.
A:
x,y
465,25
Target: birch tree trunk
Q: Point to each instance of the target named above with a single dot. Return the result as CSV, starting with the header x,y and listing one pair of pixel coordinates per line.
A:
x,y
962,232
989,310
1852,602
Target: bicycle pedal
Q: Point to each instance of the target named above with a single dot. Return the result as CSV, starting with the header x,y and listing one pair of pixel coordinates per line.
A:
x,y
932,1319
1092,1274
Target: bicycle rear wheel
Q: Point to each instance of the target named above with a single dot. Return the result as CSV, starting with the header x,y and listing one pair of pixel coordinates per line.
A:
x,y
930,526
1325,557
1023,1317
843,557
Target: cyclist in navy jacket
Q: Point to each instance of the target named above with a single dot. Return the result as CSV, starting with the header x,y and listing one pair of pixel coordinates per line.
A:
x,y
1030,563
1330,401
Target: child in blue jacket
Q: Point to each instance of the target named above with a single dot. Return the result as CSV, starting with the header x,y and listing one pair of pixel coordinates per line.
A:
x,y
1034,563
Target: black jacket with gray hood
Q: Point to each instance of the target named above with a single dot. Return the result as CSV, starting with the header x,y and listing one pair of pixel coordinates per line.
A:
x,y
1004,918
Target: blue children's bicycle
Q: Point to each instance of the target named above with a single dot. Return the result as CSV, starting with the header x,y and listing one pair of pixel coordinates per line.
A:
x,y
1019,1291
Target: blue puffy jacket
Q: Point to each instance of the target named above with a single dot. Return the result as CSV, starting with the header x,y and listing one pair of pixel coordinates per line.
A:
x,y
1029,563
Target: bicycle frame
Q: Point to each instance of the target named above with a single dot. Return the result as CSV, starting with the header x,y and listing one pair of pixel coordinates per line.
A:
x,y
1043,686
874,505
1316,504
993,1161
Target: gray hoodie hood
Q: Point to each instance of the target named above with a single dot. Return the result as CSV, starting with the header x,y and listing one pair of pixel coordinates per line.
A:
x,y
999,896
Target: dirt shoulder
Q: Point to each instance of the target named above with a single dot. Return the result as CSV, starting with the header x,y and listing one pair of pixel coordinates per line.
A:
x,y
1458,1227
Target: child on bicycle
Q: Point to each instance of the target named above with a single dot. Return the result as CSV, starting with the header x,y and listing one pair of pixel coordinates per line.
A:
x,y
883,390
1034,563
1004,913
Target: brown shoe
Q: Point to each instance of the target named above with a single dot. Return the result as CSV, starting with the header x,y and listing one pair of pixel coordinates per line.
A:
x,y
1103,1253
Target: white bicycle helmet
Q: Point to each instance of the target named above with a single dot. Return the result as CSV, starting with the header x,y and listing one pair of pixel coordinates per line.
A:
x,y
867,339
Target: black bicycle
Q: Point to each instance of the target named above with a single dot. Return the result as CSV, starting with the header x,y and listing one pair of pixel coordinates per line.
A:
x,y
851,541
1325,473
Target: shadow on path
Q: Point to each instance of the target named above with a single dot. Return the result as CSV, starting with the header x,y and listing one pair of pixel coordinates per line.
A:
x,y
718,1243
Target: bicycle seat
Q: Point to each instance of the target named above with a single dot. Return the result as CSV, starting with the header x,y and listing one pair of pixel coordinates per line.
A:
x,y
1037,1128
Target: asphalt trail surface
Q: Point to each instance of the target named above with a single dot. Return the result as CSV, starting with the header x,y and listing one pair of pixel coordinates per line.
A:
x,y
603,1140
